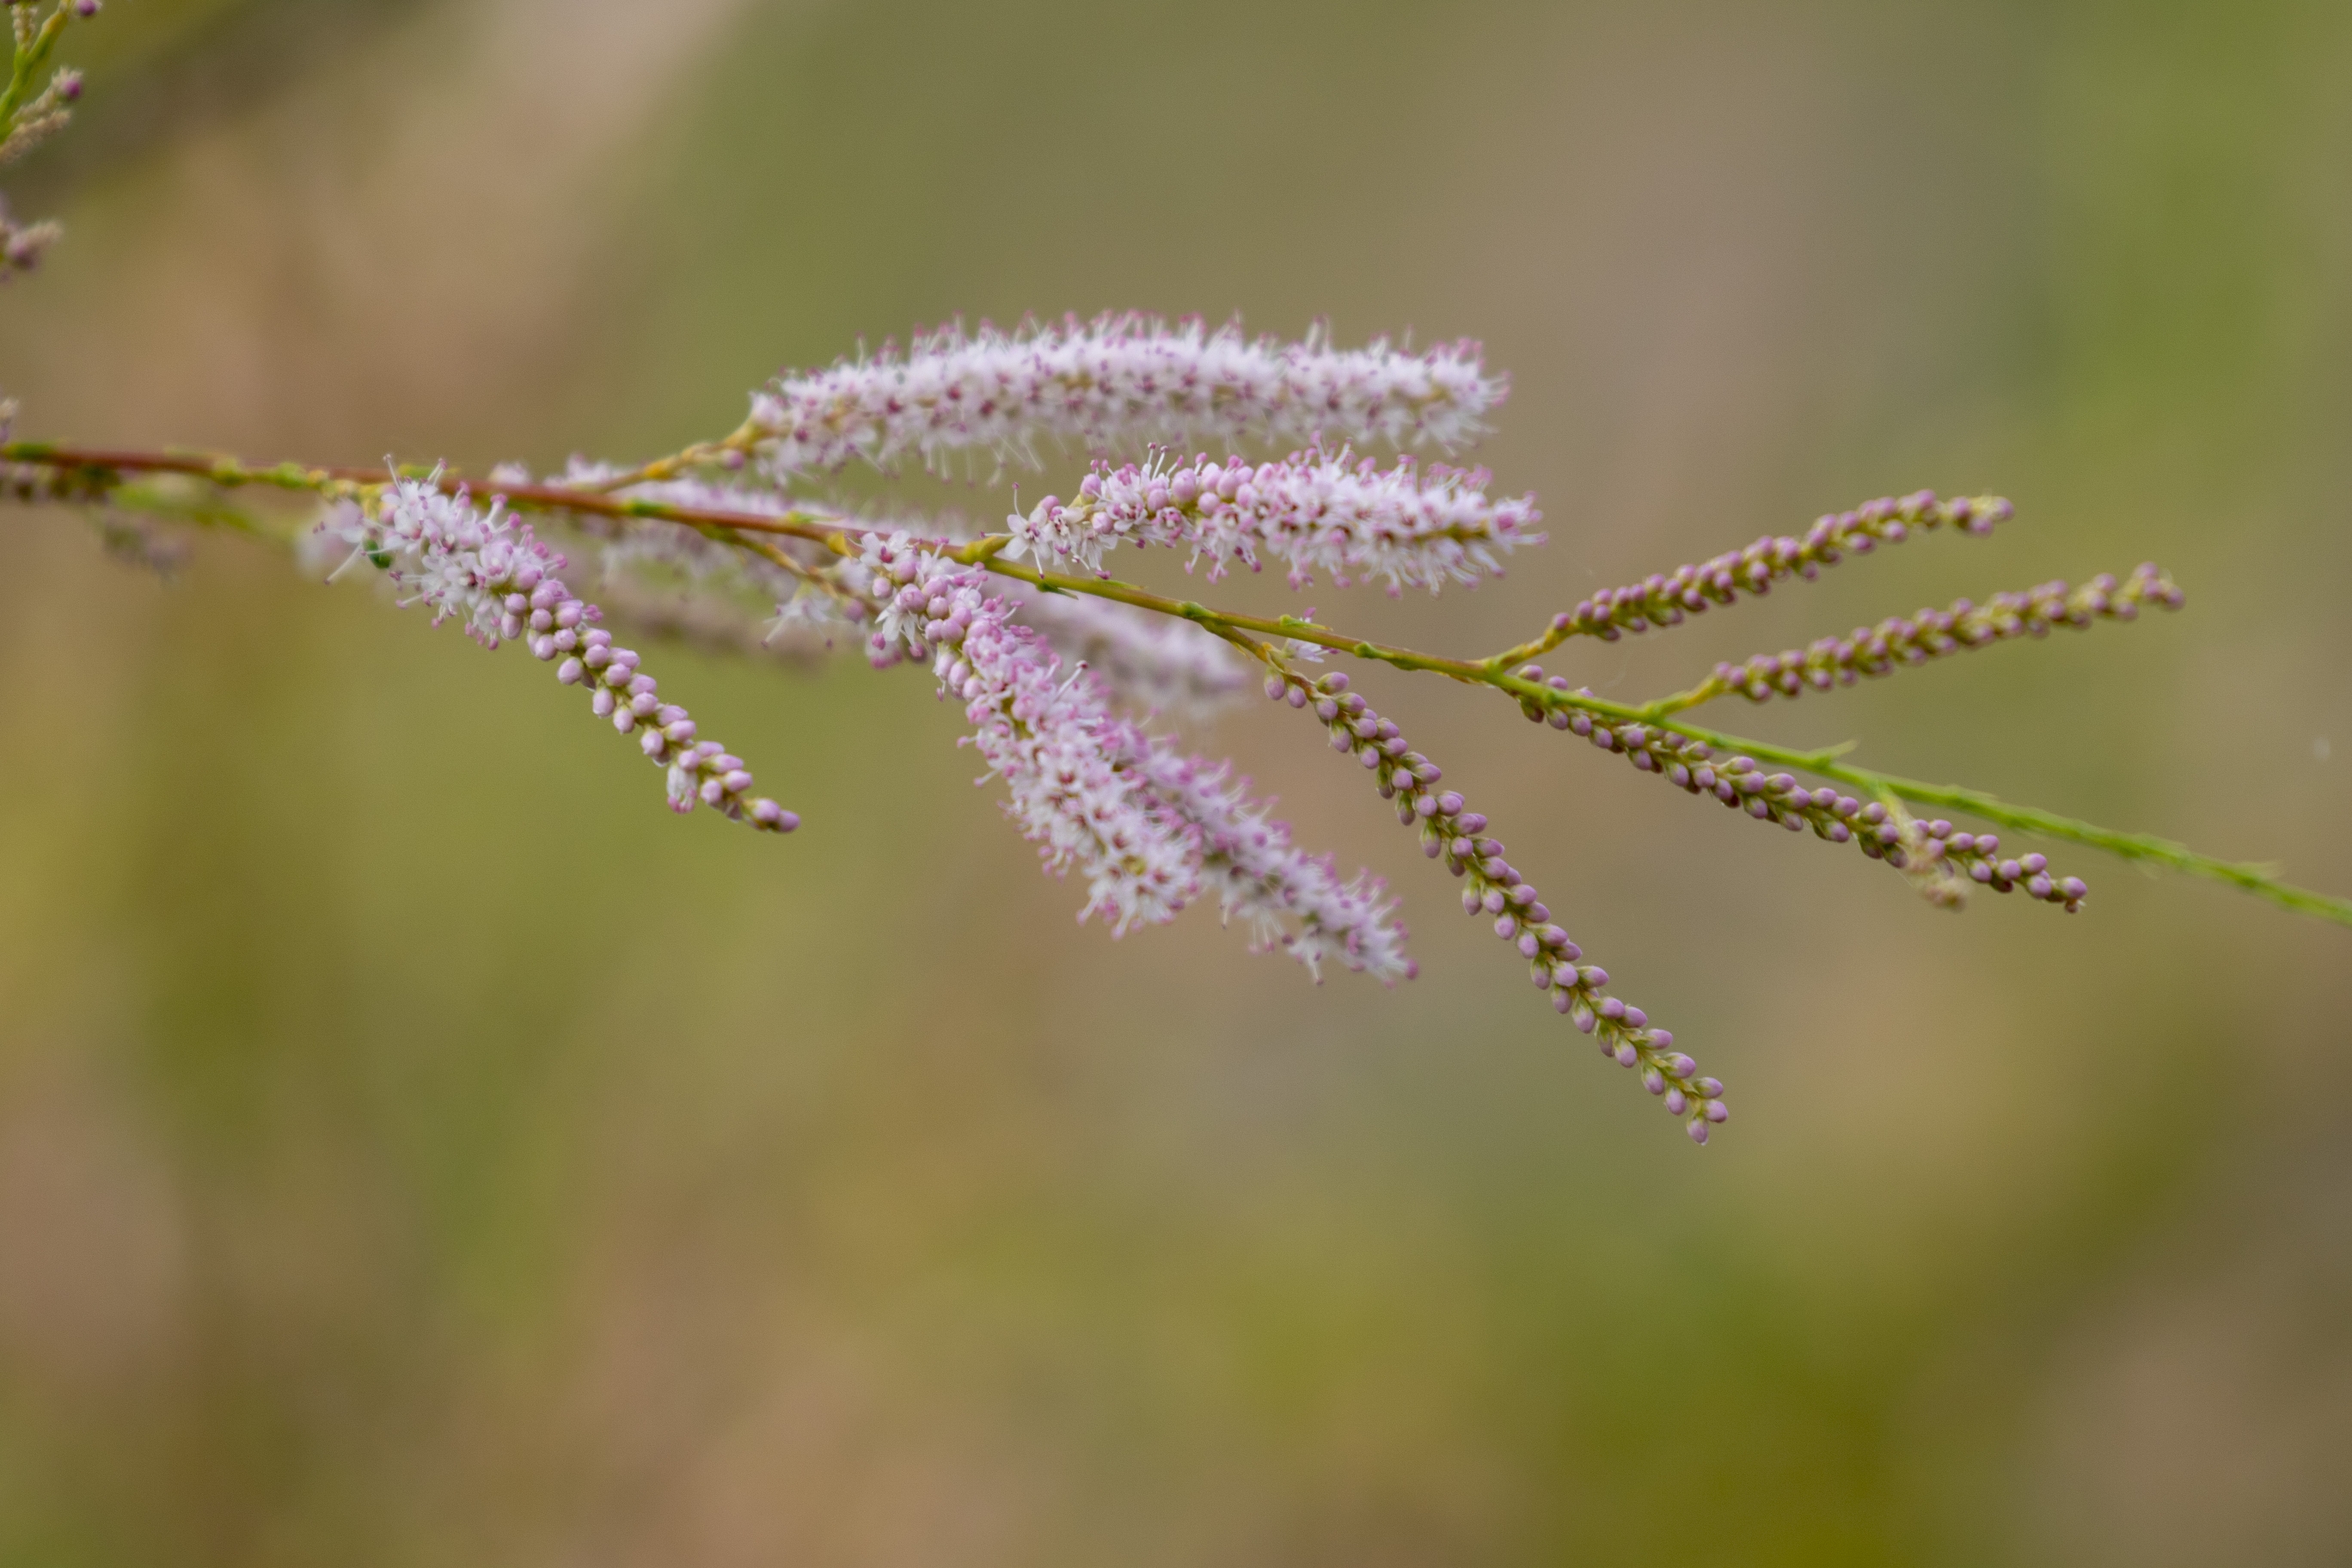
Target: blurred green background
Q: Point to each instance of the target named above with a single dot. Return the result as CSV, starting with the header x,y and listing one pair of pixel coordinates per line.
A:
x,y
418,1147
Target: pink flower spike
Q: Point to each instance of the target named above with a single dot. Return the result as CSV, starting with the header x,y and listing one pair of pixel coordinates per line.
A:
x,y
1117,379
470,565
1315,510
1150,828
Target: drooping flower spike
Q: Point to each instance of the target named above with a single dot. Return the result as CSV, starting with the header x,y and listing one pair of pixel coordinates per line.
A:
x,y
1059,668
1148,829
1494,889
497,579
1289,900
1055,742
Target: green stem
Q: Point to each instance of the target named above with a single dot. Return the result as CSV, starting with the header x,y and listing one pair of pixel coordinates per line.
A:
x,y
1705,691
1243,631
1825,763
27,64
738,442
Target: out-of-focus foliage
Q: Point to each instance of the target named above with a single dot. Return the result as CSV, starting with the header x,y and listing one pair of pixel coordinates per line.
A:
x,y
415,1146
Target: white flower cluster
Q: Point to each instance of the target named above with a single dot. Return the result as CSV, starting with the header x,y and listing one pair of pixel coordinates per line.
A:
x,y
491,574
1115,379
1149,827
462,562
1315,510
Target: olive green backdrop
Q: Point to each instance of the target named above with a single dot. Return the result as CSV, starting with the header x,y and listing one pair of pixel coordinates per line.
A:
x,y
417,1147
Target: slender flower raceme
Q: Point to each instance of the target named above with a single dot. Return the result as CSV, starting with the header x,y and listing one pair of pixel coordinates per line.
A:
x,y
492,574
703,542
1059,668
1665,599
1052,740
1290,900
1115,379
1494,888
1150,828
1934,634
1933,854
1314,511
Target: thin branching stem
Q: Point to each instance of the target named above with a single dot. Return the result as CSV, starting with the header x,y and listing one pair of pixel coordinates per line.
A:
x,y
30,55
1250,633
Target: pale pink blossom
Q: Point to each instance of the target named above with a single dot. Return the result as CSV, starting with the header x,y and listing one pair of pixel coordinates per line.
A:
x,y
1315,510
1150,828
1117,379
491,574
1060,751
1288,899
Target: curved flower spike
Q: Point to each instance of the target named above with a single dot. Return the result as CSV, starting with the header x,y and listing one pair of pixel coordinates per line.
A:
x,y
493,574
1150,828
1495,888
1941,862
1288,899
